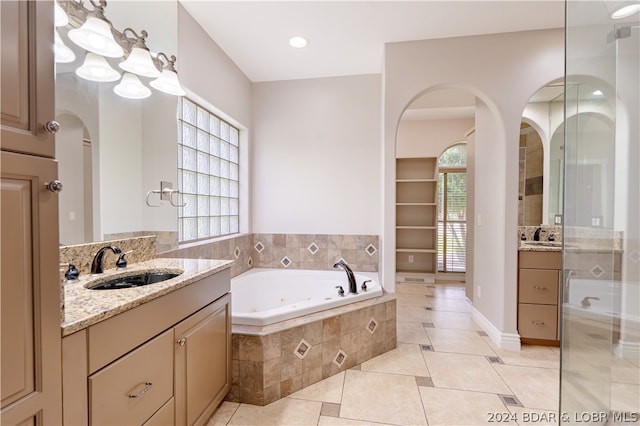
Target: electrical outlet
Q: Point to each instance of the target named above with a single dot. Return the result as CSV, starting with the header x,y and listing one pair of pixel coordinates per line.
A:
x,y
72,215
479,292
410,258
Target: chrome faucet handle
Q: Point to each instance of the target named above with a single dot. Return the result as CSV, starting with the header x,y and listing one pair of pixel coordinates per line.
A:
x,y
364,285
340,290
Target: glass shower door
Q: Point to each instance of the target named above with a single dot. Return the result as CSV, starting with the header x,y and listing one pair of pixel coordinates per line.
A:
x,y
600,315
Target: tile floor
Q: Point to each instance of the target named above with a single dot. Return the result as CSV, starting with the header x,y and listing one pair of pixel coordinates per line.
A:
x,y
445,371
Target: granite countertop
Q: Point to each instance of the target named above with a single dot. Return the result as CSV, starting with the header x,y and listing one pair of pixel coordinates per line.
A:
x,y
573,247
84,307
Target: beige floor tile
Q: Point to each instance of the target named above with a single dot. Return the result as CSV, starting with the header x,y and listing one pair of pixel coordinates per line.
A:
x,y
413,300
530,356
411,288
458,341
623,371
286,411
447,291
535,387
529,416
457,320
464,372
411,332
451,305
405,359
327,390
337,421
455,407
383,398
413,313
625,397
223,413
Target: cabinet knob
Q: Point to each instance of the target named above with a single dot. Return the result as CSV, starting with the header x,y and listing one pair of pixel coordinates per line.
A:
x,y
54,186
52,126
182,341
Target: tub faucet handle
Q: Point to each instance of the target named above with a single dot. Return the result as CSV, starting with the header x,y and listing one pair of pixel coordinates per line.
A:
x,y
364,285
586,301
340,290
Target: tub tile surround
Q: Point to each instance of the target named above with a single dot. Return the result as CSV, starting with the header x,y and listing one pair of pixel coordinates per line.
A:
x,y
286,357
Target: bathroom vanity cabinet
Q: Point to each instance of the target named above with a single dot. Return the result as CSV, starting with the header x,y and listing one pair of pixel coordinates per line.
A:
x,y
539,278
416,215
167,361
31,391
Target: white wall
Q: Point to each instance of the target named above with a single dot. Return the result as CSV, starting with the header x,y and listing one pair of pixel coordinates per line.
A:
x,y
430,138
503,70
316,158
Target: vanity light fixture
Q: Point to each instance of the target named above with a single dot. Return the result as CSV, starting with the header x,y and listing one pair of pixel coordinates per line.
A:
x,y
60,16
597,93
63,54
298,42
96,68
130,87
95,34
625,9
139,60
168,80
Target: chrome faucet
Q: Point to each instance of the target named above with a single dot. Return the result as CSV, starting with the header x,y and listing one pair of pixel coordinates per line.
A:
x,y
353,288
96,264
536,235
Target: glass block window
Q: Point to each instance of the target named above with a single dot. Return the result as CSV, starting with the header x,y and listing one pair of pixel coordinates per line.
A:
x,y
208,174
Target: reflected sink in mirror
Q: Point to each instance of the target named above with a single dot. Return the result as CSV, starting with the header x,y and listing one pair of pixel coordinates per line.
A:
x,y
131,281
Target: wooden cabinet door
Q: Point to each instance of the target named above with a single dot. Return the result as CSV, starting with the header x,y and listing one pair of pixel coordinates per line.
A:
x,y
30,292
203,362
27,76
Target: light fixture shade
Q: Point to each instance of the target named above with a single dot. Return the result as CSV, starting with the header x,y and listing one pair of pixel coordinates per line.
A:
x,y
140,62
131,87
168,83
625,10
95,36
63,54
96,68
61,18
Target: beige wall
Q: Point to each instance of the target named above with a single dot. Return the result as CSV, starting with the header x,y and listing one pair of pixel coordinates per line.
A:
x,y
430,138
503,70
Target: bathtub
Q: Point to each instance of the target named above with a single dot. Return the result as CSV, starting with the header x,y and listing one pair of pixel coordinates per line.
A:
x,y
265,296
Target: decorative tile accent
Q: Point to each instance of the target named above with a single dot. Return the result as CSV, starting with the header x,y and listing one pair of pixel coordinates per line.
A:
x,y
302,349
313,248
371,327
428,325
371,249
494,359
482,334
426,382
250,262
236,252
426,347
511,400
634,256
285,261
340,358
330,409
597,271
259,247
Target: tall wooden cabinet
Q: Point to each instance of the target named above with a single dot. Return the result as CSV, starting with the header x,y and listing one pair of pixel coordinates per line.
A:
x,y
31,390
416,215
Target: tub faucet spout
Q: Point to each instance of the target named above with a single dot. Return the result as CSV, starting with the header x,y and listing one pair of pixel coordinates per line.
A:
x,y
353,288
586,301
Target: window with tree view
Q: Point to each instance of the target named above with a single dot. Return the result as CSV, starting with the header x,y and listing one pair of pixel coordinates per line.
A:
x,y
208,174
452,209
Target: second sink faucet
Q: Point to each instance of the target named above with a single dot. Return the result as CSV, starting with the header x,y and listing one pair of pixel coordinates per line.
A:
x,y
536,235
96,265
353,288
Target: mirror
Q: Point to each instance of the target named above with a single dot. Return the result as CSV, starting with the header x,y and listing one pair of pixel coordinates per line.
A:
x,y
113,150
542,156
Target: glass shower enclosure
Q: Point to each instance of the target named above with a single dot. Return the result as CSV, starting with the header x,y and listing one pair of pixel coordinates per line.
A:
x,y
600,315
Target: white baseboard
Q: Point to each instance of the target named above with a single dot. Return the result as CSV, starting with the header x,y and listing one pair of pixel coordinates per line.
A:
x,y
506,341
627,350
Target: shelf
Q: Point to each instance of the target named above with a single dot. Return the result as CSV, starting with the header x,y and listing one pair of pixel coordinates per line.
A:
x,y
415,250
415,204
416,180
415,227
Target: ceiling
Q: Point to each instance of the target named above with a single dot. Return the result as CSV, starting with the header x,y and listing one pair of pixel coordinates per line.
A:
x,y
348,37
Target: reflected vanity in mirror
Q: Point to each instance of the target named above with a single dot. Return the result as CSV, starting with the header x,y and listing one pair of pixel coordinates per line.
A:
x,y
112,150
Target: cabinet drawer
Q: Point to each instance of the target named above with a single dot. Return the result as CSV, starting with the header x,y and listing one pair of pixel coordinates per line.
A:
x,y
538,286
538,321
147,373
164,416
540,259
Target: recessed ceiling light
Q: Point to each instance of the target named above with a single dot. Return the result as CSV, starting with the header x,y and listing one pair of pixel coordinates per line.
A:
x,y
625,11
598,93
298,42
